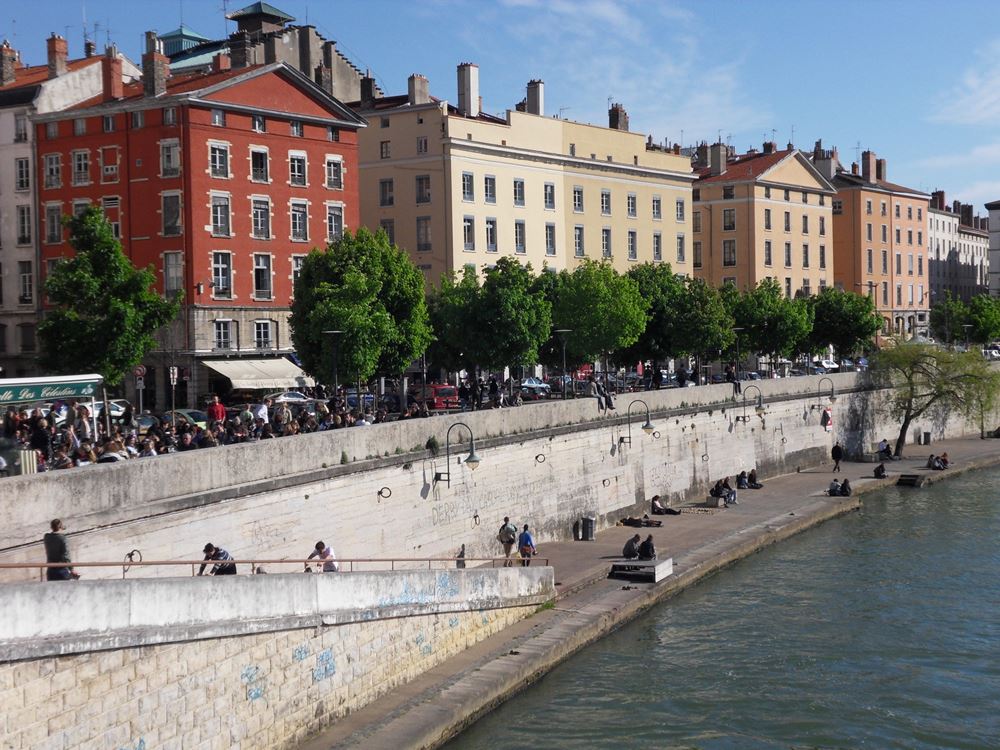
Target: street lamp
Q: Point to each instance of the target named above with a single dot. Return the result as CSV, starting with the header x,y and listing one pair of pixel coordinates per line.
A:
x,y
472,460
562,335
819,394
335,336
759,409
648,428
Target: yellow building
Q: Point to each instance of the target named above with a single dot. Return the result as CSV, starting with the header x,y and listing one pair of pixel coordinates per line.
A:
x,y
457,187
762,215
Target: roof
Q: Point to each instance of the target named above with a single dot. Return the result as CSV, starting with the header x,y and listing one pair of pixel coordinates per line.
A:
x,y
184,31
851,180
259,9
35,74
180,83
403,100
743,168
993,205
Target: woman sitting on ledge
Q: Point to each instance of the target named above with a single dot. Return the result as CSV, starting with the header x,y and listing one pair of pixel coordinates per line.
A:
x,y
943,458
742,483
659,509
752,482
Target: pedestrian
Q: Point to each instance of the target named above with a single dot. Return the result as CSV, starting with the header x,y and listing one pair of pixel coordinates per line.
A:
x,y
460,558
595,392
682,376
222,559
324,553
526,546
57,551
463,396
631,549
732,375
216,411
836,453
507,536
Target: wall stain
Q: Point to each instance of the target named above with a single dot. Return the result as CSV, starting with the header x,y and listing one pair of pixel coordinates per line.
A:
x,y
301,653
325,666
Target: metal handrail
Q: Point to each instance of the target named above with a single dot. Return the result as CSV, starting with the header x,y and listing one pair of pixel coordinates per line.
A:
x,y
255,562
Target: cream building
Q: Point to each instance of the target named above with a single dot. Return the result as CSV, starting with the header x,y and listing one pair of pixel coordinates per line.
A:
x,y
957,250
759,215
457,187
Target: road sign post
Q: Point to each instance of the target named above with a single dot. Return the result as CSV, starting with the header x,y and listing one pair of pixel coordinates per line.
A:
x,y
173,402
140,386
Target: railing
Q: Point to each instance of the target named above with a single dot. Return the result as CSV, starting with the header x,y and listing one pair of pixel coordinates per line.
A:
x,y
257,563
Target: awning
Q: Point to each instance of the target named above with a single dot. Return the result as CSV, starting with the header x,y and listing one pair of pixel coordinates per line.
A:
x,y
261,373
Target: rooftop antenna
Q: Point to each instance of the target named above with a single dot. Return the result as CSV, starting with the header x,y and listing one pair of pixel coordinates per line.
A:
x,y
225,17
563,109
792,139
682,137
83,11
719,139
774,134
729,139
857,152
180,10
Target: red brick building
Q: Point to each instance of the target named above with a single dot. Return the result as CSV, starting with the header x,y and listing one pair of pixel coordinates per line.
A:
x,y
222,182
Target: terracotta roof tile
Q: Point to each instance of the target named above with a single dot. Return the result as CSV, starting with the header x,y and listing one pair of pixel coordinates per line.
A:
x,y
743,168
178,83
35,74
856,180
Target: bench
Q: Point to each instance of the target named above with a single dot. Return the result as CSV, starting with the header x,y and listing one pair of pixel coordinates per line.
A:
x,y
654,570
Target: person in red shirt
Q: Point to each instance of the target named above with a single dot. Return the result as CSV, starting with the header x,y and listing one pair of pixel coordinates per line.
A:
x,y
216,411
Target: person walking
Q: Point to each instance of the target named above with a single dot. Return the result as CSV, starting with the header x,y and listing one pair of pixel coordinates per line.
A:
x,y
57,551
526,546
836,453
507,536
222,559
324,553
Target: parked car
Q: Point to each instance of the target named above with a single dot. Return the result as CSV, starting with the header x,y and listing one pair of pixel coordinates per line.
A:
x,y
826,364
286,396
191,416
533,388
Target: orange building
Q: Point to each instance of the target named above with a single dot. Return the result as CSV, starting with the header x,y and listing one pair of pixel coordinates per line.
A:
x,y
222,182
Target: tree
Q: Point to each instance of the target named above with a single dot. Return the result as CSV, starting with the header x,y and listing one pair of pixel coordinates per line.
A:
x,y
452,308
773,324
662,289
947,318
926,379
511,318
984,319
703,324
844,320
104,312
369,289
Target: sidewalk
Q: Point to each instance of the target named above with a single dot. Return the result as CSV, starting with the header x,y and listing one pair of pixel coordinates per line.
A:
x,y
439,703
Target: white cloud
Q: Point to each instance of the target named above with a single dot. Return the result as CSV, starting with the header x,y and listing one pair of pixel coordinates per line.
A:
x,y
976,99
976,157
978,193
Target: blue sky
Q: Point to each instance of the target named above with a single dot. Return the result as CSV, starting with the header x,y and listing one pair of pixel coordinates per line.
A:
x,y
918,82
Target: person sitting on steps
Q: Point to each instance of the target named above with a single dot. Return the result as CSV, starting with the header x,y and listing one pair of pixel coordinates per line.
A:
x,y
752,482
742,483
880,472
647,551
845,488
631,549
834,489
659,509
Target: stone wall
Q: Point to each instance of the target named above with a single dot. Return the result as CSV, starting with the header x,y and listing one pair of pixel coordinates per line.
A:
x,y
267,681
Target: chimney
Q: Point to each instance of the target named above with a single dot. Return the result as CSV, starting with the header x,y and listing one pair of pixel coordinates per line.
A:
x,y
717,154
239,49
868,166
156,67
965,217
536,97
323,75
937,200
769,147
818,149
111,75
58,49
329,57
367,91
417,90
618,117
89,48
854,167
468,89
956,208
677,149
521,106
880,172
8,63
701,155
221,62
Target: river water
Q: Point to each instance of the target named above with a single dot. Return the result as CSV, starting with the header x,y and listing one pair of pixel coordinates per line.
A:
x,y
877,630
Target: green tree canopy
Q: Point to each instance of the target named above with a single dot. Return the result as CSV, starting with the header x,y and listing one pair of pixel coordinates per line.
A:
x,y
947,318
104,310
772,324
452,314
512,317
369,289
661,287
703,325
984,319
844,320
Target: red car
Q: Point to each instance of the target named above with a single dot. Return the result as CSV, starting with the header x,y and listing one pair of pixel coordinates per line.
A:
x,y
437,395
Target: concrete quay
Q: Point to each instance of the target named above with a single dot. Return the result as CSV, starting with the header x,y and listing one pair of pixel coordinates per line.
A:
x,y
439,704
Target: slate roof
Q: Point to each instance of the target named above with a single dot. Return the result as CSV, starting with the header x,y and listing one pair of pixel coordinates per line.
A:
x,y
259,9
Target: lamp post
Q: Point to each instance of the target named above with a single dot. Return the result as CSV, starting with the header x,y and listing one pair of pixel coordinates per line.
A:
x,y
472,460
759,408
648,428
819,394
335,336
562,335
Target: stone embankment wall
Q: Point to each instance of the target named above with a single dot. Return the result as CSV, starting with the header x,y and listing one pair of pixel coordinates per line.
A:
x,y
244,662
546,465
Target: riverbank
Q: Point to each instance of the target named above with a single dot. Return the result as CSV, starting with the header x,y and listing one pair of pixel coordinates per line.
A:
x,y
436,706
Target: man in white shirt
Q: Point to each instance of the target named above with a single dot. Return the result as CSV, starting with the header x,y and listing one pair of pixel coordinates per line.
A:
x,y
325,554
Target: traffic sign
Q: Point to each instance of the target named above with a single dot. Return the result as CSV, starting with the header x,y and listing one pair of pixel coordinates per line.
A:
x,y
140,384
173,376
139,371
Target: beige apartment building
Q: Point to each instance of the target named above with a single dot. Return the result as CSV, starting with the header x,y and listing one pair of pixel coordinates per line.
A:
x,y
762,214
456,187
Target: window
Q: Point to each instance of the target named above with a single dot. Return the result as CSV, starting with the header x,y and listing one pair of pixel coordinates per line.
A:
x,y
300,222
884,213
550,196
218,118
605,203
920,214
51,131
680,248
868,231
696,252
898,208
868,207
657,247
491,235
333,133
424,234
767,218
25,283
296,128
170,159
81,167
297,170
173,273
138,119
729,252
885,292
262,334
788,255
909,236
838,208
262,276
170,116
788,221
578,249
885,261
469,233
79,206
696,221
909,264
218,156
53,170
909,212
384,150
490,189
822,226
258,124
171,206
385,193
788,285
223,334
805,256
108,123
422,144
899,290
768,255
334,174
220,216
728,192
518,192
27,333
805,225
788,195
53,224
885,233
920,265
822,202
805,197
606,242
519,237
423,188
258,166
550,239
920,238
222,274
384,122
631,205
870,261
22,172
20,128
679,208
899,238
24,225
899,264
334,222
728,219
261,214
578,199
468,187
633,248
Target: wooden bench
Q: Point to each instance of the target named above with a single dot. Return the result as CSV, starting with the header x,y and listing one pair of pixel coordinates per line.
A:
x,y
654,570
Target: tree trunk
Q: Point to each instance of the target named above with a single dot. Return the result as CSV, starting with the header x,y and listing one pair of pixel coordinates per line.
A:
x,y
901,439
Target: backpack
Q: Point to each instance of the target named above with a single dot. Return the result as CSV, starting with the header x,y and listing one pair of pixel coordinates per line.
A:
x,y
506,535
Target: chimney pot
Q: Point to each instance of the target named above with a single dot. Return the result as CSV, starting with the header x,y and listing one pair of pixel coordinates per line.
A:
x,y
717,157
221,62
367,92
536,97
769,147
880,170
111,75
868,169
58,51
618,117
854,167
155,66
418,89
468,89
